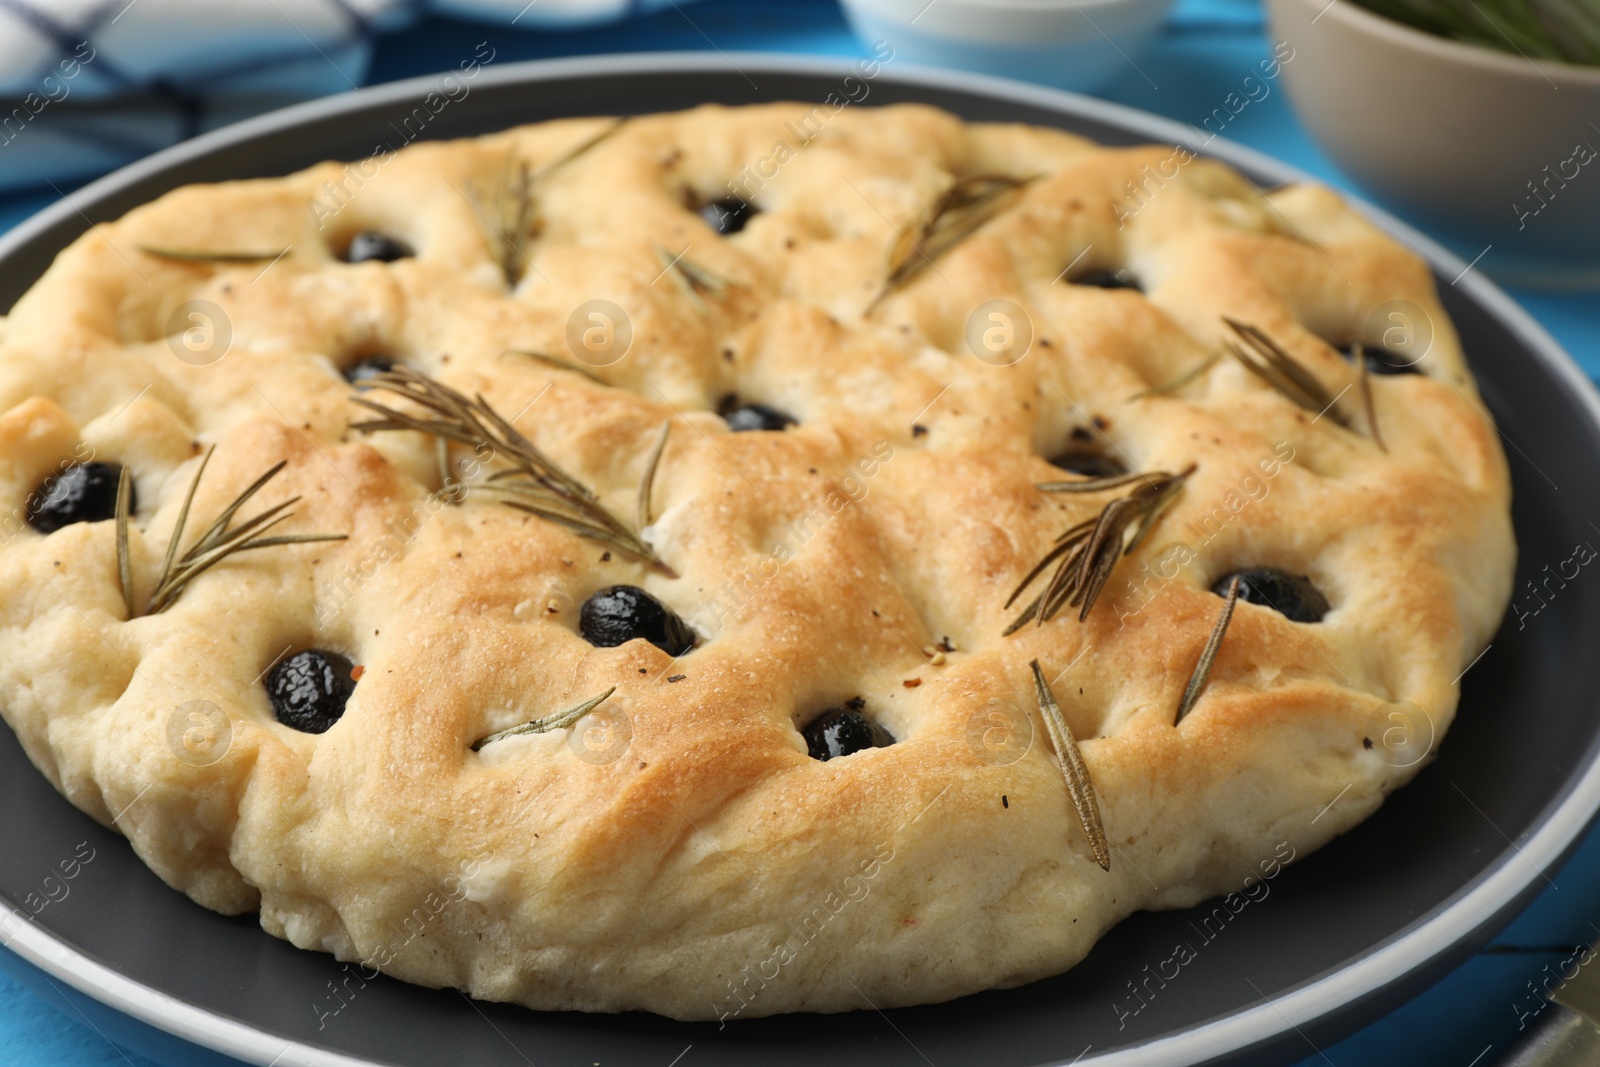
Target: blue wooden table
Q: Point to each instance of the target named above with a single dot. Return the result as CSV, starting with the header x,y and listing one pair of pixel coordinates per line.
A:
x,y
1207,46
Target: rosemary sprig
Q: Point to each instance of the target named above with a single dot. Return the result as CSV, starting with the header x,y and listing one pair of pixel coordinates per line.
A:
x,y
1086,553
216,544
1267,360
647,480
957,214
559,721
559,364
515,220
1208,655
1364,386
185,255
1181,380
1080,787
533,483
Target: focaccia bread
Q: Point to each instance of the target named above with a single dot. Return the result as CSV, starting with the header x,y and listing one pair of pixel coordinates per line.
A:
x,y
871,335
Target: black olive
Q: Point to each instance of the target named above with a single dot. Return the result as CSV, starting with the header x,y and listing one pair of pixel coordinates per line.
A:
x,y
1384,360
370,244
370,367
621,613
1114,278
1290,595
743,417
728,214
84,492
841,731
309,689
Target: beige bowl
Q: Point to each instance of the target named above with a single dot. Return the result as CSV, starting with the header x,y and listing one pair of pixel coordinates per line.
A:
x,y
1071,44
1491,150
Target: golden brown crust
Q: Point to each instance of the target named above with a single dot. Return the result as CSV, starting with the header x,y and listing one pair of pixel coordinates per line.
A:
x,y
711,867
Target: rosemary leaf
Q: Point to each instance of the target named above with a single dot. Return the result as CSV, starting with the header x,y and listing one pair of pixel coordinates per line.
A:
x,y
1080,787
533,482
183,518
186,255
1029,613
441,459
559,363
514,489
701,279
577,524
1364,386
696,280
1208,655
1267,360
1181,380
554,722
291,539
1091,485
581,148
514,211
957,214
647,480
124,560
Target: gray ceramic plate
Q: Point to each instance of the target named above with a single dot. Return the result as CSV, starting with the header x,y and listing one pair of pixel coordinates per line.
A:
x,y
1344,936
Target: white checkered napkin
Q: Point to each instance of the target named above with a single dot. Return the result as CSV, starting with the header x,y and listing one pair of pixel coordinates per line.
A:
x,y
87,85
293,47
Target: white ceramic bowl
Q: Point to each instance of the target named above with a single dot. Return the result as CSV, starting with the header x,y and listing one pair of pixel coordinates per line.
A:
x,y
1492,150
1071,44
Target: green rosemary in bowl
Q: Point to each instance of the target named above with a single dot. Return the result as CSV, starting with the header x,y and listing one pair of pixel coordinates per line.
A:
x,y
1567,30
